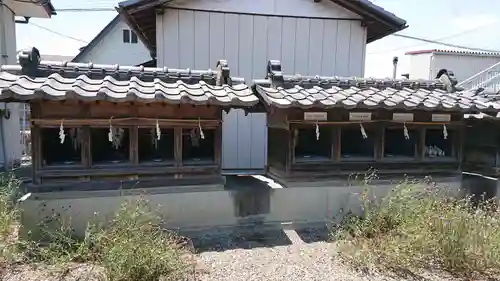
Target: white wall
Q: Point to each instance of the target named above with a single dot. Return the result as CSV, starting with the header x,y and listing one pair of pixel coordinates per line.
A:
x,y
112,50
420,66
427,66
309,46
463,66
11,127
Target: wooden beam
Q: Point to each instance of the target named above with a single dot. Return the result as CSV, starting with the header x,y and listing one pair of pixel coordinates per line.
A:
x,y
132,121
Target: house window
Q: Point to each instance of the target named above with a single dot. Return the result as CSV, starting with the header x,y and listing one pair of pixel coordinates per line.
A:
x,y
197,150
133,38
396,145
354,147
129,36
106,152
153,150
436,146
56,153
308,147
126,36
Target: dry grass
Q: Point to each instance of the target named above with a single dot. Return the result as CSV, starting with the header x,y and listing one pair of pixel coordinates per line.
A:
x,y
420,228
130,246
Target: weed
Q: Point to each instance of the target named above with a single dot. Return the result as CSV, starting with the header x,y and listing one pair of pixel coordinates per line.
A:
x,y
418,226
129,246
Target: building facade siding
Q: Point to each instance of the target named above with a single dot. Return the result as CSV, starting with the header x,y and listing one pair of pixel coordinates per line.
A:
x,y
189,38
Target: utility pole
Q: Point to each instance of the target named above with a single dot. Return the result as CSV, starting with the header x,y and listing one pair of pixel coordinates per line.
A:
x,y
4,57
3,34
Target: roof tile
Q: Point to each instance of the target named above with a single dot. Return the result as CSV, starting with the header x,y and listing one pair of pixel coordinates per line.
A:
x,y
63,80
285,91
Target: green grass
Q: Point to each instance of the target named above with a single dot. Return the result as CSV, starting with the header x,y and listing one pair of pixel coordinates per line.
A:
x,y
129,246
420,228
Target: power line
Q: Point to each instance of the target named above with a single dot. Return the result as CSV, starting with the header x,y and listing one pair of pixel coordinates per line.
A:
x,y
86,10
437,40
58,33
445,44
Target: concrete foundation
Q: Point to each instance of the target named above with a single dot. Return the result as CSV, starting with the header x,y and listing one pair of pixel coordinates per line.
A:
x,y
249,202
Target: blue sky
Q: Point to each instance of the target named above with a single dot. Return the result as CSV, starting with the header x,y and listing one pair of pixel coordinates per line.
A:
x,y
476,22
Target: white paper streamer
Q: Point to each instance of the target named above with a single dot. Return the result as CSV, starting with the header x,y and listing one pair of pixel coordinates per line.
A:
x,y
445,132
202,135
405,130
62,135
158,130
317,131
110,133
363,132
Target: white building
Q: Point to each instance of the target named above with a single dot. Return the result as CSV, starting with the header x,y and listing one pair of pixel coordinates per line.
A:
x,y
10,127
115,44
425,64
308,37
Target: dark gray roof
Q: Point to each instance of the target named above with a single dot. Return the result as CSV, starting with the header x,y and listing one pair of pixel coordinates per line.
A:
x,y
63,80
141,17
285,91
49,8
380,22
105,31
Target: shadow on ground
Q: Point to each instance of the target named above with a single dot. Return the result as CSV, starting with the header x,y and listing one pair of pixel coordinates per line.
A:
x,y
252,199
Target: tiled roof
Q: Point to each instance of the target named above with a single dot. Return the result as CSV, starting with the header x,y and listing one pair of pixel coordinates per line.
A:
x,y
284,91
63,80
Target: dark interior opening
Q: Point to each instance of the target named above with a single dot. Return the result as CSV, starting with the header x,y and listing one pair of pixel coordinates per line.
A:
x,y
105,152
436,146
309,148
354,147
197,150
56,153
397,146
153,150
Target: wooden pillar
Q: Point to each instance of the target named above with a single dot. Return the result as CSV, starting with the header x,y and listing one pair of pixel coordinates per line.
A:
x,y
85,147
36,148
218,146
134,144
36,153
290,148
178,146
421,143
336,143
459,144
380,142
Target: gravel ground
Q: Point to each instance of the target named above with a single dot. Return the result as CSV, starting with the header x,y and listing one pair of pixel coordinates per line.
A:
x,y
294,262
285,255
312,261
